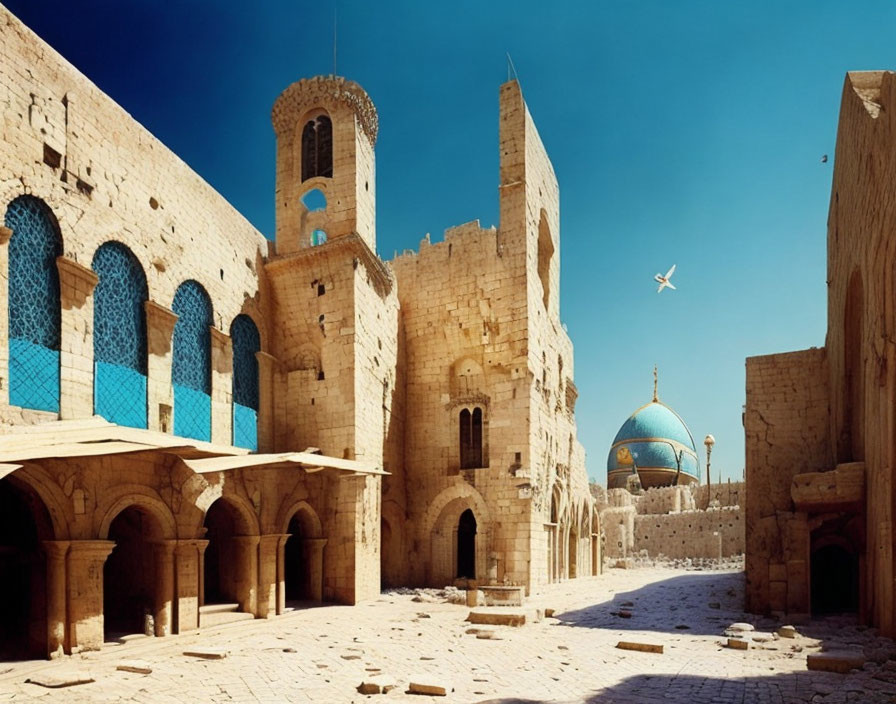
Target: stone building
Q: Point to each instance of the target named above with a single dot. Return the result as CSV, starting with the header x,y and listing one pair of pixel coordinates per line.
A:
x,y
199,424
820,423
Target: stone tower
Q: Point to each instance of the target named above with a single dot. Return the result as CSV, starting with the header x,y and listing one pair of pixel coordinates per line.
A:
x,y
326,129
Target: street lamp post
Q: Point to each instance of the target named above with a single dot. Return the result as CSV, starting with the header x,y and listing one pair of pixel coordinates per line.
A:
x,y
709,441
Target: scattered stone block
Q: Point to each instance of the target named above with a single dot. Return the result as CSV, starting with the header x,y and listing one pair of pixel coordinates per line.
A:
x,y
549,613
379,684
503,596
56,680
841,661
207,653
741,627
787,632
738,644
138,667
425,685
497,618
485,634
640,647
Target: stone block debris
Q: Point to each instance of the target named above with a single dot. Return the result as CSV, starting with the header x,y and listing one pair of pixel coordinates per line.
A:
x,y
57,680
640,647
841,661
421,684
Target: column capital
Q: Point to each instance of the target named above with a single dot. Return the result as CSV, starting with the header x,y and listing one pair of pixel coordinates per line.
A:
x,y
185,546
76,281
56,549
90,549
220,339
273,537
5,234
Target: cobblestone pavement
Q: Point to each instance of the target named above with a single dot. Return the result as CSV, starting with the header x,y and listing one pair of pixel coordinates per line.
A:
x,y
322,654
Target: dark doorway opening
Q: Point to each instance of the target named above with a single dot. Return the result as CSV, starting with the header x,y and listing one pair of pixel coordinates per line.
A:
x,y
835,580
296,562
24,523
129,575
466,545
220,571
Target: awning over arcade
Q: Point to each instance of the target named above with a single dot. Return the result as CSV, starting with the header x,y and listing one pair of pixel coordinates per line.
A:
x,y
96,437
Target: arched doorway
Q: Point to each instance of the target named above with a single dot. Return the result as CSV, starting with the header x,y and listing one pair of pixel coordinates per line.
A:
x,y
24,523
835,580
466,545
223,523
296,567
129,574
303,557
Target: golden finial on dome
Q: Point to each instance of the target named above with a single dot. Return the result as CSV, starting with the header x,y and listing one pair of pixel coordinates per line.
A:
x,y
655,382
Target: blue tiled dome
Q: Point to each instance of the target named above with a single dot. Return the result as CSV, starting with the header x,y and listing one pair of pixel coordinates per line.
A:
x,y
656,443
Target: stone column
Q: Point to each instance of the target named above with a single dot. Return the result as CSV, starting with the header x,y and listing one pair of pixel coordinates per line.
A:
x,y
188,583
164,588
160,323
5,234
84,586
76,284
281,573
268,574
266,366
222,387
56,551
314,553
246,571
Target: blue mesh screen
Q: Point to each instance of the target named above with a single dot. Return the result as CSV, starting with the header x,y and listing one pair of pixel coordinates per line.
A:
x,y
245,427
191,364
119,336
34,306
246,342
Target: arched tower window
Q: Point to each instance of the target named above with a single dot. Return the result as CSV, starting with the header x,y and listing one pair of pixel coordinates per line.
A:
x,y
191,370
471,438
34,307
246,342
317,148
119,336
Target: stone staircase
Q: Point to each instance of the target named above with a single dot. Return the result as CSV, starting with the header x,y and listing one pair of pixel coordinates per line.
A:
x,y
217,614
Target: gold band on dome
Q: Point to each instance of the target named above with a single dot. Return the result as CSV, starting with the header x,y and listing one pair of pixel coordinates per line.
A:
x,y
664,440
650,469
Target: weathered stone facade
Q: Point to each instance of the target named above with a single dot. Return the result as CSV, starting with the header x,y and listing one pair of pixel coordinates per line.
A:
x,y
819,423
413,422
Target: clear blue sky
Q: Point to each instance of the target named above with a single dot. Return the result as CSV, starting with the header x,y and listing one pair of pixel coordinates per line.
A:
x,y
681,132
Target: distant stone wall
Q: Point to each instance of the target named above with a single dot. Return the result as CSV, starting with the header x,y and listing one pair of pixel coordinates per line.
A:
x,y
674,522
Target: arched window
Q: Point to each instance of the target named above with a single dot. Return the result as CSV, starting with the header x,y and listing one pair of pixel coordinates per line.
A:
x,y
317,148
34,308
246,342
119,336
191,369
471,438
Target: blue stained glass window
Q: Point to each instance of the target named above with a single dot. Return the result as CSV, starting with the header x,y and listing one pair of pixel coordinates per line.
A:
x,y
246,342
34,307
191,368
119,336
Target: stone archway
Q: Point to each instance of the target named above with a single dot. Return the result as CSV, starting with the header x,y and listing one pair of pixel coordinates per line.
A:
x,y
132,588
303,556
230,569
24,524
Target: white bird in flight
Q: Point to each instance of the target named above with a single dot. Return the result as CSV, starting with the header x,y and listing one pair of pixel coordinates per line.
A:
x,y
664,280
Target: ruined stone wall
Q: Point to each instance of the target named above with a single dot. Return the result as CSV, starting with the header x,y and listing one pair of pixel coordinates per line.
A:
x,y
671,522
786,426
115,181
862,320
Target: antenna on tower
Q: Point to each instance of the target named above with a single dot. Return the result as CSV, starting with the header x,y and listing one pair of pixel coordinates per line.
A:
x,y
334,42
511,69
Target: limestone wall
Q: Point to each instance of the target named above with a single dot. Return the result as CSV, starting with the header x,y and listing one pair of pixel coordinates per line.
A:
x,y
672,522
786,426
114,181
